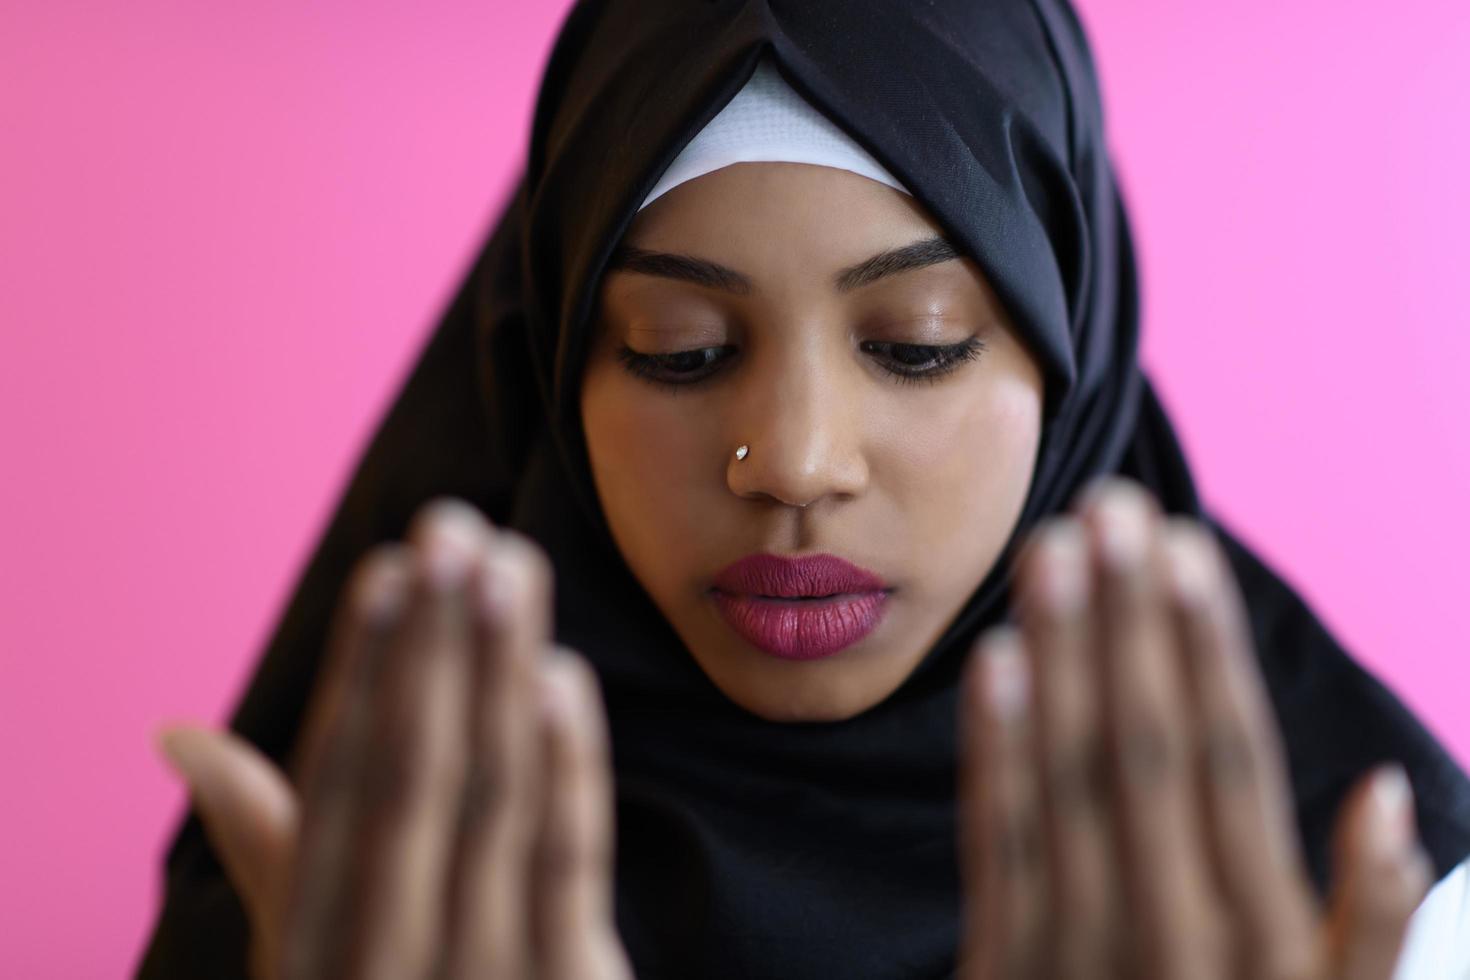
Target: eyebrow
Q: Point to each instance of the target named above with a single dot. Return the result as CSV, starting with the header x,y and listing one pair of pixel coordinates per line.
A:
x,y
703,272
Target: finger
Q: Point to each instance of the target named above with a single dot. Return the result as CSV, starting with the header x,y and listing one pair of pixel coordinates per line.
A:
x,y
1000,838
331,757
1157,813
489,914
1243,781
1054,607
249,811
418,750
372,599
574,933
1382,876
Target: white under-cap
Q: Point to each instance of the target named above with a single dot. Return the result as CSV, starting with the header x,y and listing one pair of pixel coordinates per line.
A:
x,y
769,121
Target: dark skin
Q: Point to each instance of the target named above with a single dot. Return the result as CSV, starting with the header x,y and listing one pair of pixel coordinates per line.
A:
x,y
1125,810
448,811
818,355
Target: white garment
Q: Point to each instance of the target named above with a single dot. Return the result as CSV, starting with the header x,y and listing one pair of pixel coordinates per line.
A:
x,y
769,121
1437,946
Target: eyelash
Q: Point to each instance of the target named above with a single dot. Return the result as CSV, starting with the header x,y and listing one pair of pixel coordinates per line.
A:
x,y
944,357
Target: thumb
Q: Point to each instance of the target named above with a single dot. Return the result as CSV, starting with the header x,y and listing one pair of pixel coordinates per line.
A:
x,y
248,808
1381,876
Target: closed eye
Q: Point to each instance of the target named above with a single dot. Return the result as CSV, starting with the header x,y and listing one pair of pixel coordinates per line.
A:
x,y
678,368
907,363
924,362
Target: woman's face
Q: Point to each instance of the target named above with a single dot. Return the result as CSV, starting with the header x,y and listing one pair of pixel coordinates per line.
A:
x,y
802,334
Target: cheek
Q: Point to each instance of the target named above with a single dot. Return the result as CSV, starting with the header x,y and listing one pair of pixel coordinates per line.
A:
x,y
646,455
986,439
967,468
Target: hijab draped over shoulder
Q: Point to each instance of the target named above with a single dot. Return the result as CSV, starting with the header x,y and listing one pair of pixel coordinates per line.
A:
x,y
745,847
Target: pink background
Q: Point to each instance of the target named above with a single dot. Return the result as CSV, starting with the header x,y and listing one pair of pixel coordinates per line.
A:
x,y
224,232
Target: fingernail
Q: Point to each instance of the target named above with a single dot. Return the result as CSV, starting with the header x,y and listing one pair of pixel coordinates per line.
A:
x,y
1090,490
453,539
1007,681
499,587
1122,527
1393,813
557,699
1063,581
1120,534
382,594
1188,575
170,743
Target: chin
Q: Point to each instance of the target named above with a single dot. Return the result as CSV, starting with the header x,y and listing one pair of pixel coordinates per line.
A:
x,y
795,714
782,704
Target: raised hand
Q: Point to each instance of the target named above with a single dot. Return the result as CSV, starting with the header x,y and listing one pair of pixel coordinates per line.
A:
x,y
449,808
1125,806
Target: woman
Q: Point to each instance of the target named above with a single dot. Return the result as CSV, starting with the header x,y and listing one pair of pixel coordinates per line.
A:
x,y
803,355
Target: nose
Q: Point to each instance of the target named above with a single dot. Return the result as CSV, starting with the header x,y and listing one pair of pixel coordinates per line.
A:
x,y
804,433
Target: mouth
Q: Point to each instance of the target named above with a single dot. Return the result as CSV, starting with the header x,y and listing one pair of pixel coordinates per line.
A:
x,y
802,608
818,576
802,598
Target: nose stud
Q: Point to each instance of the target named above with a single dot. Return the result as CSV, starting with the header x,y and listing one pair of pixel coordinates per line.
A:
x,y
742,452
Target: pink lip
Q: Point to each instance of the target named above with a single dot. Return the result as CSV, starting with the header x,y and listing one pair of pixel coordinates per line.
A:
x,y
799,608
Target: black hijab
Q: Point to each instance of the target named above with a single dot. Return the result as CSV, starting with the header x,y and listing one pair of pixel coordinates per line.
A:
x,y
749,848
